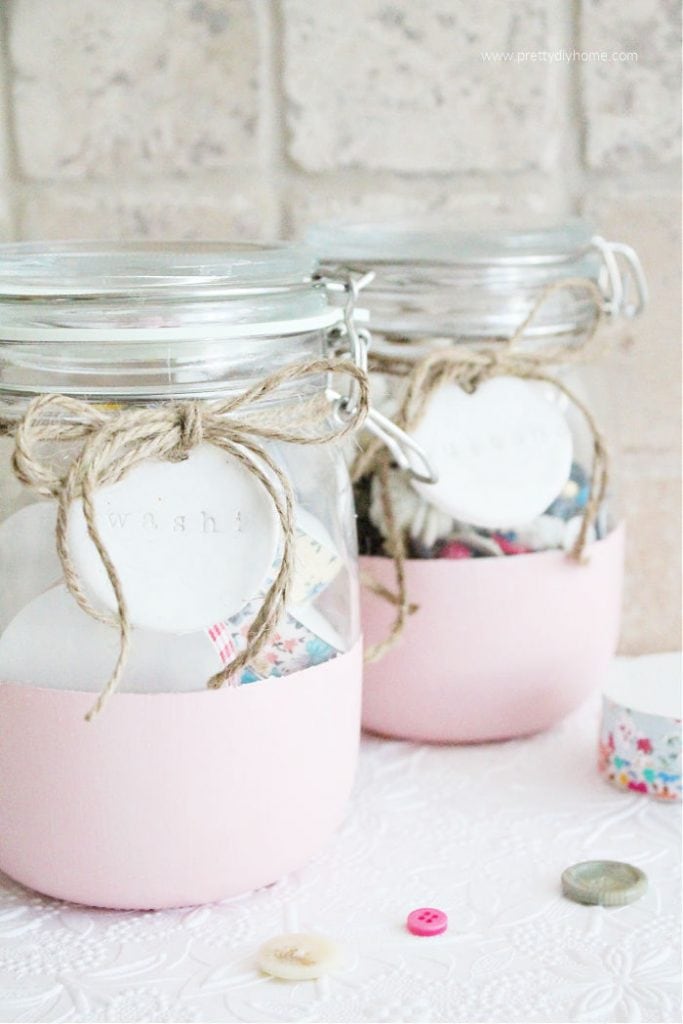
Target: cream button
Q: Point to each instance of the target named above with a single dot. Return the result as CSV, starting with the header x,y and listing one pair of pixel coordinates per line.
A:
x,y
298,956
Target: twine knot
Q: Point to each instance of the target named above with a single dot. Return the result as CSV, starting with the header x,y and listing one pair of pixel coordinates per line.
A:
x,y
474,372
112,441
191,429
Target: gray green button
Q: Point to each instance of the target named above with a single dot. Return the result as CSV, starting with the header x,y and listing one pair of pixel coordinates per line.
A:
x,y
608,883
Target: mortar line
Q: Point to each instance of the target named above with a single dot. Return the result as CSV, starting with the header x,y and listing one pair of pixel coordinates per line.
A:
x,y
11,162
576,110
272,127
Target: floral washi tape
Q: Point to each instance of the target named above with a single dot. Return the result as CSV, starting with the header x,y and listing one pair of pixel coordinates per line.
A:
x,y
293,647
304,637
640,734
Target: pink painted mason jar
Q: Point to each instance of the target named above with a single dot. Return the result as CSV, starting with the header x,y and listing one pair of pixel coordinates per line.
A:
x,y
176,422
493,589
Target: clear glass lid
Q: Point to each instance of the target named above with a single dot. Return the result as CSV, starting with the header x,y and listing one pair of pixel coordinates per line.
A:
x,y
115,267
432,278
155,319
432,242
154,286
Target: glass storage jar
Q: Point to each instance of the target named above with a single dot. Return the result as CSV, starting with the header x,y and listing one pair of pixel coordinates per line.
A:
x,y
160,407
493,600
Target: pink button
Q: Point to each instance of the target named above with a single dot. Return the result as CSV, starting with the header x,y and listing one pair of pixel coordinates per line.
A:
x,y
427,921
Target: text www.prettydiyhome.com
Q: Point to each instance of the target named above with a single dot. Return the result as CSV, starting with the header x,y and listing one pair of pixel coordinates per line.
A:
x,y
559,56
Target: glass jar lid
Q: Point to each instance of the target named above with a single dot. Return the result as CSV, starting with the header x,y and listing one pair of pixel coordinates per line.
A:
x,y
141,320
158,289
431,243
435,279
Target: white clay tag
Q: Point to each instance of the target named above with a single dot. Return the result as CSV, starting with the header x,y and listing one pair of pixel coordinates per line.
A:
x,y
502,454
192,541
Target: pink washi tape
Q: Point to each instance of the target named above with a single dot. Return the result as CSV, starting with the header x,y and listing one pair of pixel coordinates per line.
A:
x,y
222,639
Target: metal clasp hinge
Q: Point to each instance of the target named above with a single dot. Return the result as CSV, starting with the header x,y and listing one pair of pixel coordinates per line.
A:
x,y
623,276
407,454
405,450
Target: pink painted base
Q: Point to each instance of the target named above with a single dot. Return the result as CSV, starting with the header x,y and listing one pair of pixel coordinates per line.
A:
x,y
499,647
175,799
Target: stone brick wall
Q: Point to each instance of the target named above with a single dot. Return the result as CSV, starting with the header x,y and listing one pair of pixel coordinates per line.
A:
x,y
217,118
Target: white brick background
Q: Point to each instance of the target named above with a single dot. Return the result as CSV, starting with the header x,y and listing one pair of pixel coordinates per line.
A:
x,y
252,118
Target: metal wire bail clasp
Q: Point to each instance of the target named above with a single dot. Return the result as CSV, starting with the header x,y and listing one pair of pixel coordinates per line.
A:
x,y
408,454
350,339
356,339
622,275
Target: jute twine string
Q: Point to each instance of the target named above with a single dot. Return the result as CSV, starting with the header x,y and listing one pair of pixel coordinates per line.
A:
x,y
469,366
114,441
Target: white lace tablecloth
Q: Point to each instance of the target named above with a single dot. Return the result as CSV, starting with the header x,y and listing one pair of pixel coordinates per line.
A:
x,y
481,832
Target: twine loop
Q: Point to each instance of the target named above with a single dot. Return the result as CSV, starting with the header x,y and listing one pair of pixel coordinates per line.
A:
x,y
469,366
110,442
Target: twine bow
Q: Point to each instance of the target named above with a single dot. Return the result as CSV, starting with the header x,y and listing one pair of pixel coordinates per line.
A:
x,y
469,366
111,442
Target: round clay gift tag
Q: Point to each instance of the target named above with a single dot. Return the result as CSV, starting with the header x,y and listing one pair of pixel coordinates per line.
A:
x,y
502,454
192,541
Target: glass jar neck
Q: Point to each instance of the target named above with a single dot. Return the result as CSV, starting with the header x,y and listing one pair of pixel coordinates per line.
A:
x,y
136,371
436,281
128,322
469,304
139,320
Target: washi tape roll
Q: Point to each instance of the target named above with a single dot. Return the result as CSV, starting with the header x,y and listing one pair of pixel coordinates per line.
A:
x,y
640,734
